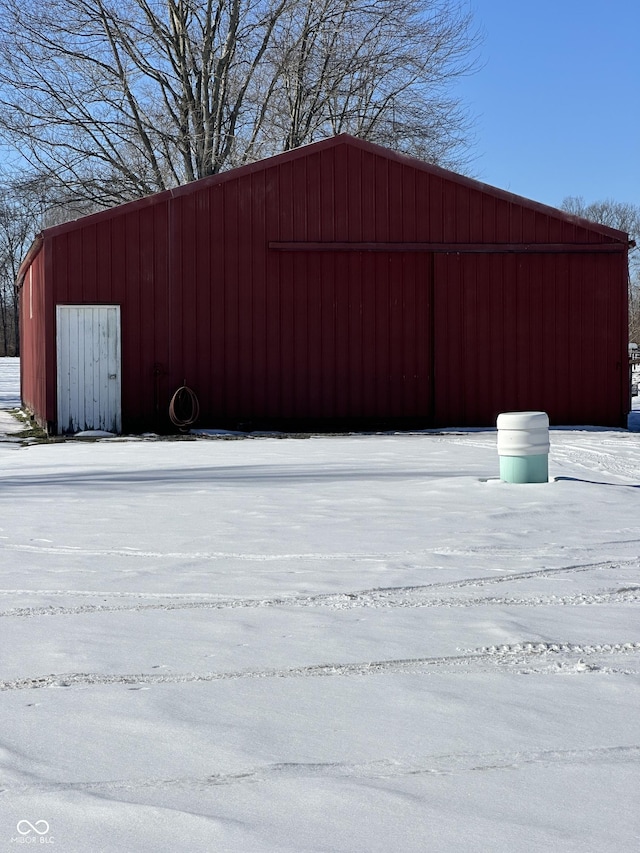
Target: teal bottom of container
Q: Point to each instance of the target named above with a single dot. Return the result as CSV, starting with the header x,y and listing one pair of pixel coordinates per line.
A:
x,y
525,469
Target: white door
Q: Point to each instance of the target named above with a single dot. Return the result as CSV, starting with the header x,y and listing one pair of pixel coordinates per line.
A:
x,y
88,351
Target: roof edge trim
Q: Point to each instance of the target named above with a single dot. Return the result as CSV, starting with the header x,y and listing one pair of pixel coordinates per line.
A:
x,y
32,252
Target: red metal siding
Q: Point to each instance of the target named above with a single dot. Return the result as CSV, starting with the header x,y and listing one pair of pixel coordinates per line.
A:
x,y
33,362
300,335
118,260
357,341
237,286
527,333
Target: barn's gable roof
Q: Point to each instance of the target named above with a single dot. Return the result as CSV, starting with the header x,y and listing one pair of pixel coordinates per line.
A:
x,y
601,233
333,142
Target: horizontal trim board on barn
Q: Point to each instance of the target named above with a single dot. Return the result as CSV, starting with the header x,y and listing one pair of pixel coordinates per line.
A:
x,y
453,248
334,286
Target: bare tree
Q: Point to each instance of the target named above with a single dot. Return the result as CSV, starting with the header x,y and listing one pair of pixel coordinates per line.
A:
x,y
616,214
113,99
20,213
624,217
380,69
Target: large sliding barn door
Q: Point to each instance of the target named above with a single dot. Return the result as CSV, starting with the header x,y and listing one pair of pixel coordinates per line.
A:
x,y
88,352
354,337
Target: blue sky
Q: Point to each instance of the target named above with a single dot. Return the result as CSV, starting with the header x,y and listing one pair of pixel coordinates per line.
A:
x,y
557,104
557,101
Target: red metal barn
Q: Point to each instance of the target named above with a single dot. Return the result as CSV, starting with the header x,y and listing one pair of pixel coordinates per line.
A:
x,y
339,284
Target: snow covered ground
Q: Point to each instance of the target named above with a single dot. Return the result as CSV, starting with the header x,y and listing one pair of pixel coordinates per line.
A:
x,y
362,643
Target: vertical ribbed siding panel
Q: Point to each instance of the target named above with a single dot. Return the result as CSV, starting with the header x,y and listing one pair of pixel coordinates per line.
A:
x,y
424,347
339,175
515,233
396,229
462,203
148,302
360,279
267,219
233,357
469,341
364,361
203,302
553,329
450,366
511,385
476,202
410,204
310,387
616,356
398,327
368,196
434,218
380,337
496,322
188,324
216,285
49,332
313,190
243,249
449,212
485,304
326,176
87,259
606,308
328,368
281,267
261,330
380,179
532,295
75,286
536,334
564,293
105,253
463,380
300,315
346,270
132,347
502,215
299,199
28,390
154,308
487,223
569,389
355,195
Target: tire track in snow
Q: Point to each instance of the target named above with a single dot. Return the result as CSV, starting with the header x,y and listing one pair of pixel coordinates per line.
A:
x,y
551,550
380,597
347,601
547,657
436,765
599,461
67,550
482,580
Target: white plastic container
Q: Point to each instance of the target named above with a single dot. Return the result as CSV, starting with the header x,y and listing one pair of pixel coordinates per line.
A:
x,y
523,447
